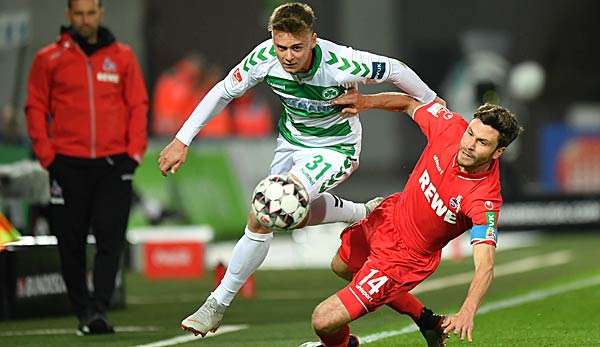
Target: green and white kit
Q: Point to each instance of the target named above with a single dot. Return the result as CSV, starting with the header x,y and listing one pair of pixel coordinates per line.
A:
x,y
315,144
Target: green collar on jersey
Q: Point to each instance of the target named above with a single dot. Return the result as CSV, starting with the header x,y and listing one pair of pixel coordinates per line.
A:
x,y
318,56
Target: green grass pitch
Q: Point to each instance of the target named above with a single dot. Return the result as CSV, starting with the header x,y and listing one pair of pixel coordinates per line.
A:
x,y
280,313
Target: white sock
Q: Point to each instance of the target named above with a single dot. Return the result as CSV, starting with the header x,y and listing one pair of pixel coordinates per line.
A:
x,y
328,208
249,252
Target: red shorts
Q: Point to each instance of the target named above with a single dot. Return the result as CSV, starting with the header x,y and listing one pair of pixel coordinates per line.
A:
x,y
383,266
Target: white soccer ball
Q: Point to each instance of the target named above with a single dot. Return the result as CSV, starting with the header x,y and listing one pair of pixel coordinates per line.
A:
x,y
526,80
279,202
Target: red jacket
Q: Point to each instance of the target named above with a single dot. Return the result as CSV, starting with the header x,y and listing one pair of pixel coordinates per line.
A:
x,y
86,106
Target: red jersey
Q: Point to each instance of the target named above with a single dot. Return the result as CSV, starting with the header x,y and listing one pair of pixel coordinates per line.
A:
x,y
439,202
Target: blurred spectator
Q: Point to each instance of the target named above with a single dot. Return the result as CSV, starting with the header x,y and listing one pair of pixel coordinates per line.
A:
x,y
179,89
220,126
252,117
87,115
174,94
177,93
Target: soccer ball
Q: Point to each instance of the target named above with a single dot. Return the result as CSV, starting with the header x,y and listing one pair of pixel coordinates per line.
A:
x,y
279,202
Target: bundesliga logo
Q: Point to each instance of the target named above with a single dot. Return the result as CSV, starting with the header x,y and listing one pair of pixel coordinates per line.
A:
x,y
237,76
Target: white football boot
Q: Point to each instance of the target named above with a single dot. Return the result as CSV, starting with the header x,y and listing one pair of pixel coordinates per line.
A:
x,y
207,318
372,204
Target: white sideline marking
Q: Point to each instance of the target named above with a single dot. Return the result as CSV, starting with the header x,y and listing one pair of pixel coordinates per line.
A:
x,y
40,332
187,338
513,267
264,295
532,296
313,246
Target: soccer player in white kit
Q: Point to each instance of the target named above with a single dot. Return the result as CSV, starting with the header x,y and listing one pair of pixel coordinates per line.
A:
x,y
317,146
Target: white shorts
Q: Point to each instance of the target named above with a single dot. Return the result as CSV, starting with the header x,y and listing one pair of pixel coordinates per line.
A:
x,y
318,169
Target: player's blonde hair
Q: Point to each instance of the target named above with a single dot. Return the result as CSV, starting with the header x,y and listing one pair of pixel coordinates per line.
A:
x,y
293,18
500,119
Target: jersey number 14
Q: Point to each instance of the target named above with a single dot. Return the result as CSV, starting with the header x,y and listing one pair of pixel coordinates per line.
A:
x,y
373,283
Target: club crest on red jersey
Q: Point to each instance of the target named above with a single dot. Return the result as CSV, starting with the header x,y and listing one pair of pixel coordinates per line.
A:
x,y
108,65
455,203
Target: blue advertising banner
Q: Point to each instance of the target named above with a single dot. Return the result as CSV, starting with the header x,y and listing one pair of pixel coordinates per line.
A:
x,y
569,159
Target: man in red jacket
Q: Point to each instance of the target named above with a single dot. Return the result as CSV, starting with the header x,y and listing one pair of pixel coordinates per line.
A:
x,y
86,114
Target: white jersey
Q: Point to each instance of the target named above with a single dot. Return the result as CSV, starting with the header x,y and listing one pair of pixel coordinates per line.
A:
x,y
308,118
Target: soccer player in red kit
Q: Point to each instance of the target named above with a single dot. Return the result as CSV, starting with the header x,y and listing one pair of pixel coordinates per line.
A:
x,y
454,187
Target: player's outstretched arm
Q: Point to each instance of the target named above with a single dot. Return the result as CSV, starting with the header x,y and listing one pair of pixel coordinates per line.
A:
x,y
462,322
387,69
172,157
354,102
241,78
174,154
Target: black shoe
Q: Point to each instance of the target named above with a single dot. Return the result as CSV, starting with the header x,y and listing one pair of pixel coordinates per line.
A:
x,y
430,326
97,324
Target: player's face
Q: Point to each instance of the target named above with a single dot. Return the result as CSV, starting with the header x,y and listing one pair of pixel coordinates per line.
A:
x,y
85,17
294,51
478,147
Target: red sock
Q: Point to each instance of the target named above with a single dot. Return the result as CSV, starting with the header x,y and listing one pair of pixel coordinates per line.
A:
x,y
406,303
339,338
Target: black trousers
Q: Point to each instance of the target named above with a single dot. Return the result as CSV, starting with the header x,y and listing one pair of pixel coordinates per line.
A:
x,y
90,195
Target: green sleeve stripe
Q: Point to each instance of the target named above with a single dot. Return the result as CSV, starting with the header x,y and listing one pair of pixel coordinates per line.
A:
x,y
357,68
333,59
260,54
251,59
367,71
346,64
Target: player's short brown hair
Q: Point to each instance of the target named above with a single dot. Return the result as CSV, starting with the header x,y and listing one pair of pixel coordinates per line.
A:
x,y
293,18
500,119
70,1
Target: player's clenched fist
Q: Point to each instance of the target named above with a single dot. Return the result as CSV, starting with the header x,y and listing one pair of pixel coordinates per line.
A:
x,y
440,101
172,157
